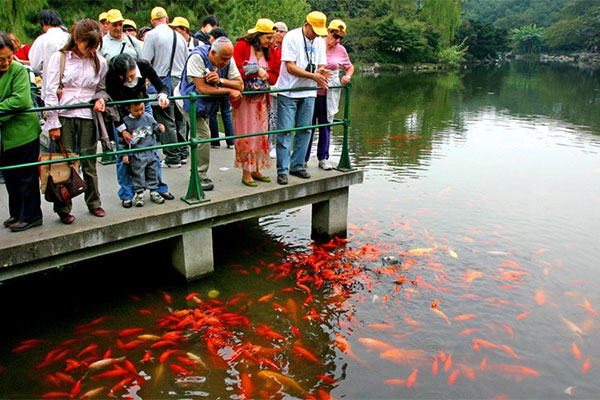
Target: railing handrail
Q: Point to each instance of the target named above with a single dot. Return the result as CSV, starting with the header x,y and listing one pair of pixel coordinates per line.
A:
x,y
195,192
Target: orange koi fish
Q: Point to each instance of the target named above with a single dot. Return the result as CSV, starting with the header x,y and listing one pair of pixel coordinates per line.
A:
x,y
112,374
402,356
452,377
471,275
412,378
395,382
93,393
246,384
104,363
509,330
523,315
585,368
448,363
266,297
465,317
120,386
179,370
469,331
56,395
483,363
374,344
510,352
468,372
381,326
540,297
587,306
306,354
434,366
286,382
292,308
164,356
412,322
576,351
434,308
342,344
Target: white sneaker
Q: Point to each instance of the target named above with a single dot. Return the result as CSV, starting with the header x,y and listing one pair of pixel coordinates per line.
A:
x,y
324,164
156,198
273,153
138,200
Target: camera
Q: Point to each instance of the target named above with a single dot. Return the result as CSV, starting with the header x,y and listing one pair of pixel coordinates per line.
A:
x,y
311,68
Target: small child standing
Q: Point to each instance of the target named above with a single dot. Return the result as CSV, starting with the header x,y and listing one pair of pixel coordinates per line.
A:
x,y
143,164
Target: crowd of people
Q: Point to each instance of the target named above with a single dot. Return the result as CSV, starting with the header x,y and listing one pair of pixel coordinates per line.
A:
x,y
109,59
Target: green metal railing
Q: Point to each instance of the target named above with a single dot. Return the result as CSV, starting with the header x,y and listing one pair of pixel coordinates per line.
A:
x,y
195,194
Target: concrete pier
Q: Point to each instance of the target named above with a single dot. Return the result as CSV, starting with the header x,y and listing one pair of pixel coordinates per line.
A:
x,y
187,228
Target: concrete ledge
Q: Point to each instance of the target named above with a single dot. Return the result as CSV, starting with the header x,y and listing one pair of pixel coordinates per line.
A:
x,y
54,244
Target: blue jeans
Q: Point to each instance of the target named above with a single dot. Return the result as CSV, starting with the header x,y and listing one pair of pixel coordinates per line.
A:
x,y
227,122
124,176
291,113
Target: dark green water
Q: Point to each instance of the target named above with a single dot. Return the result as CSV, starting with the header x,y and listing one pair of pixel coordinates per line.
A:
x,y
490,176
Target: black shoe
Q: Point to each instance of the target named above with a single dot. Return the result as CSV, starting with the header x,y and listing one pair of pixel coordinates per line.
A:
x,y
23,225
127,203
301,173
207,184
10,221
167,195
282,179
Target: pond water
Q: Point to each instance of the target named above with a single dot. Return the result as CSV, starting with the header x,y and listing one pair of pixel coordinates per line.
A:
x,y
469,271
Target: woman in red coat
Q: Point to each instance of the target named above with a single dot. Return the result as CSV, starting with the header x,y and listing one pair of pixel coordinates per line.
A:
x,y
259,64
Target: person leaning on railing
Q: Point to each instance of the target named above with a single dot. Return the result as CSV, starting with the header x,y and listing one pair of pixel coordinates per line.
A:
x,y
83,81
19,143
326,105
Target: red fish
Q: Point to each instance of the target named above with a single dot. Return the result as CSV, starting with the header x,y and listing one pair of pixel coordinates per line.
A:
x,y
587,306
523,315
164,356
395,382
465,317
576,351
448,363
120,386
585,368
247,387
306,354
452,377
412,378
76,389
434,366
179,370
130,332
56,395
266,297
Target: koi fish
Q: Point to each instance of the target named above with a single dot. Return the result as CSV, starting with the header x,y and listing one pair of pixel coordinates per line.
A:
x,y
56,395
149,337
266,298
518,370
93,393
471,275
374,344
104,363
452,377
306,354
402,356
412,322
509,330
412,378
465,317
585,368
284,381
196,359
130,332
342,344
434,366
381,326
395,382
112,374
179,370
120,386
587,306
469,331
246,385
574,328
523,315
448,363
576,351
540,297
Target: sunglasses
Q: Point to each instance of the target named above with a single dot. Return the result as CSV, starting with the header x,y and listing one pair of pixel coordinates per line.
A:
x,y
129,30
336,36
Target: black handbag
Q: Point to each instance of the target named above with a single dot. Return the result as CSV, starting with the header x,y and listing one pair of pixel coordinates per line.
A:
x,y
61,192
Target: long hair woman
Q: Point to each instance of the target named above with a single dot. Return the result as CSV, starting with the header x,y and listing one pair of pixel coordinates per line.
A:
x,y
81,81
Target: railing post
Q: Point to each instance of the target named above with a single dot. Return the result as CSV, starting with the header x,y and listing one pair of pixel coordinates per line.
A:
x,y
344,164
195,194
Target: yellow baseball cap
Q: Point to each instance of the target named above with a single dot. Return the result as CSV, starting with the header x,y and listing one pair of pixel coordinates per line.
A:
x,y
158,12
102,16
317,20
263,25
130,23
180,21
114,15
337,25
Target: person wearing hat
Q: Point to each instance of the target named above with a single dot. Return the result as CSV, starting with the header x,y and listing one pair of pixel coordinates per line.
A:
x,y
182,26
116,42
130,28
209,23
53,39
257,61
167,51
303,61
326,105
103,21
280,31
209,70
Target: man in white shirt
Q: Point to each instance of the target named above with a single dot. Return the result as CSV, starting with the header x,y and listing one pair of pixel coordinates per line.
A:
x,y
53,39
168,62
116,42
303,60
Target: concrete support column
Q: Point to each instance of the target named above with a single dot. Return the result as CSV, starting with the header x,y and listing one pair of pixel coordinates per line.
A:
x,y
330,217
192,252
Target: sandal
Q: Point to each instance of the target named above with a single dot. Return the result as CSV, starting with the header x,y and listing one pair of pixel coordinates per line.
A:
x,y
262,178
127,203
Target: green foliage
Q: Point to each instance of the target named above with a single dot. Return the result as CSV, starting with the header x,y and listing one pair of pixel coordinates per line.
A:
x,y
443,15
452,56
21,18
511,14
527,39
482,39
577,27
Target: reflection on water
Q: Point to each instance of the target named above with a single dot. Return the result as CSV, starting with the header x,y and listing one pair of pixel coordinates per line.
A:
x,y
469,272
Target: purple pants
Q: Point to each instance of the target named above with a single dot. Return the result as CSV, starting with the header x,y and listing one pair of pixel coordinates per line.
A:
x,y
320,115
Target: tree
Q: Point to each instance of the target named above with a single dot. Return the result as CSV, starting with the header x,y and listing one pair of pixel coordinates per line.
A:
x,y
21,18
482,40
527,39
577,28
443,15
